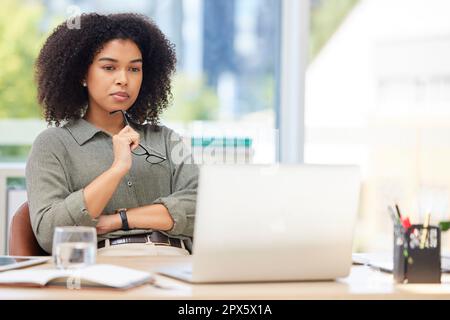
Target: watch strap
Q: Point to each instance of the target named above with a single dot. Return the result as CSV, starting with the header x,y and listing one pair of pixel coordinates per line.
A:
x,y
123,217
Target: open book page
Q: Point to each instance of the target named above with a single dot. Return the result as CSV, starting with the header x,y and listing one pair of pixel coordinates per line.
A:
x,y
97,275
39,277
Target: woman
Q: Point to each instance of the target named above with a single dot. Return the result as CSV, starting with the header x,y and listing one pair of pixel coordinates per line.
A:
x,y
107,163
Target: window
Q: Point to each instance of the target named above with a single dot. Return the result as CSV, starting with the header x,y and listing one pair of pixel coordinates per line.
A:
x,y
225,87
377,95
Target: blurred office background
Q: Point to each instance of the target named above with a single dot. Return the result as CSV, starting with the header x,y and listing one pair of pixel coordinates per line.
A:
x,y
375,90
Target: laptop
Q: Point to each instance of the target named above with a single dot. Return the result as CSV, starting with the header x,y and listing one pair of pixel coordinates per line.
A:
x,y
272,223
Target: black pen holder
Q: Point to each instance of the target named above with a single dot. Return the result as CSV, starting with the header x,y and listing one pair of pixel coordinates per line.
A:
x,y
417,254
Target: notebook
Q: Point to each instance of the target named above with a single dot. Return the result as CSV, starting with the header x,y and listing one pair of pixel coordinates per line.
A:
x,y
100,275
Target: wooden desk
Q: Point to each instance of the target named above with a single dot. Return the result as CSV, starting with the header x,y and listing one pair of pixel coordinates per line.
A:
x,y
362,283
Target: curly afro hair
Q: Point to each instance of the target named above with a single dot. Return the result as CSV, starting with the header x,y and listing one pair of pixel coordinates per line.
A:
x,y
64,60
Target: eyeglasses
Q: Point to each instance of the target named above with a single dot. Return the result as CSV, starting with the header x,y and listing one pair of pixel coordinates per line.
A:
x,y
152,156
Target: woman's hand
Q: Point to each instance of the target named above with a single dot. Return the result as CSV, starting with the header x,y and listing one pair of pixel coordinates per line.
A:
x,y
108,223
123,143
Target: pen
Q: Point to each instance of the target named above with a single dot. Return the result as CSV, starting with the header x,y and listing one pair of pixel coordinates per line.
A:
x,y
425,230
398,212
394,217
404,221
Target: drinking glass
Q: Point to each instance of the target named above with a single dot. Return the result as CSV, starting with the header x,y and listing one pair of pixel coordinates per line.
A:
x,y
74,247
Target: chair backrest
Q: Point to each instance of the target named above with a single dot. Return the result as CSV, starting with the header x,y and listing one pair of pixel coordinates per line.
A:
x,y
22,241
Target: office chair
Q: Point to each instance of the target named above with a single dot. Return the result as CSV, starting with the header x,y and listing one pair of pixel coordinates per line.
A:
x,y
22,241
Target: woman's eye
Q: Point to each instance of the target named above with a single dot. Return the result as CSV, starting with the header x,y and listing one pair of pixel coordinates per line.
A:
x,y
108,68
135,69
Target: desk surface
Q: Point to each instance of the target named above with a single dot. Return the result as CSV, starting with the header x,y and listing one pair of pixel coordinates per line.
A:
x,y
362,283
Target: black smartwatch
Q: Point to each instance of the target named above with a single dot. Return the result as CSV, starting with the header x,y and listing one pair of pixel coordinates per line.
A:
x,y
123,216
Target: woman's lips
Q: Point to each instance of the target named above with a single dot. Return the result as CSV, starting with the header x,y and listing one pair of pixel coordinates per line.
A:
x,y
120,97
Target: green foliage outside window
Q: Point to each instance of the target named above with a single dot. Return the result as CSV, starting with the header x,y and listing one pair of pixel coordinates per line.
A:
x,y
192,100
14,153
326,17
20,41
